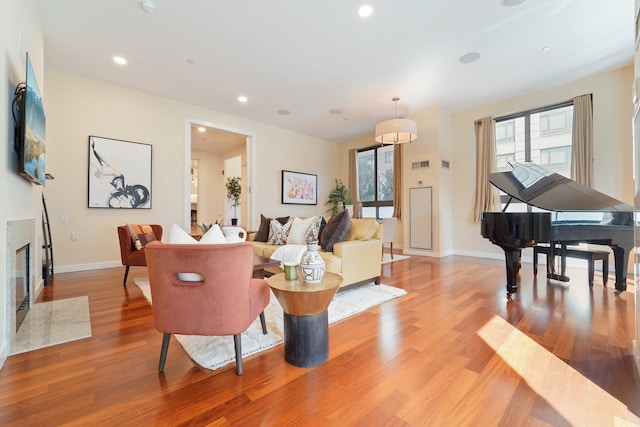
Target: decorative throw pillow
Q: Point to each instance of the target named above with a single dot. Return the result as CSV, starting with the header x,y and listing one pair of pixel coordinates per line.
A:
x,y
336,230
141,234
299,230
313,232
178,235
278,232
262,235
213,235
323,224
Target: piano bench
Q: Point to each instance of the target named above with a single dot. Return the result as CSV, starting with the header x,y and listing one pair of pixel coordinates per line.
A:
x,y
590,256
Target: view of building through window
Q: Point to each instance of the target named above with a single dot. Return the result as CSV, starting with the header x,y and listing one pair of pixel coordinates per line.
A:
x,y
375,181
541,136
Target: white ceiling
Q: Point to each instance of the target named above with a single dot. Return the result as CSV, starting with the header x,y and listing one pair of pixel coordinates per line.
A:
x,y
313,57
214,140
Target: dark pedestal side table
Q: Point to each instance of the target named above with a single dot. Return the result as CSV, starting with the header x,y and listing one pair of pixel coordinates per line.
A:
x,y
306,325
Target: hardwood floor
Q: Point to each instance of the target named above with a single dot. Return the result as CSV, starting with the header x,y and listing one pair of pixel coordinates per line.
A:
x,y
452,352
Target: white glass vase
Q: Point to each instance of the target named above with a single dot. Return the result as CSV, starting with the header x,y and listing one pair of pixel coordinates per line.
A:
x,y
312,265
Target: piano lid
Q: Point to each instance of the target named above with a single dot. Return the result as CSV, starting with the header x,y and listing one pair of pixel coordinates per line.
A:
x,y
533,184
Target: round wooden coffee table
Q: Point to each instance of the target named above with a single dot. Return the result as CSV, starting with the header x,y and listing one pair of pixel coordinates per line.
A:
x,y
306,322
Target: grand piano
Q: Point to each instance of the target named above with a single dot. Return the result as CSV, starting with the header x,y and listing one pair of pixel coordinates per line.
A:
x,y
547,190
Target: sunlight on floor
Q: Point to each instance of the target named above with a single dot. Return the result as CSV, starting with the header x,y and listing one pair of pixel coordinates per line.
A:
x,y
575,397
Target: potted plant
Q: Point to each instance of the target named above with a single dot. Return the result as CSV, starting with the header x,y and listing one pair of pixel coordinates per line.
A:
x,y
338,197
234,191
206,227
348,203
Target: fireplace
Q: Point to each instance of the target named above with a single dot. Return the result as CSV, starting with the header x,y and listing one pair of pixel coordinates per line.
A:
x,y
20,274
22,284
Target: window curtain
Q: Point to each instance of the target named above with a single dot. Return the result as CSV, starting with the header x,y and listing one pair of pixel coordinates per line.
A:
x,y
397,181
353,175
487,198
582,141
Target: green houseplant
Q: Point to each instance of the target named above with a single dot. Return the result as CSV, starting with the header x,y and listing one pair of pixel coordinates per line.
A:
x,y
234,191
339,195
206,227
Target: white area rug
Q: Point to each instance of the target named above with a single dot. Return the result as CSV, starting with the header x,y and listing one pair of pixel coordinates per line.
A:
x,y
386,258
216,352
54,322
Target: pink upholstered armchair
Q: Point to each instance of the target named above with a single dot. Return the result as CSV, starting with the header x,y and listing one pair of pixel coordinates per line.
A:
x,y
128,253
201,289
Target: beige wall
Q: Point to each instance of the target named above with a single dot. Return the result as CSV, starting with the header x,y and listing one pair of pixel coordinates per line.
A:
x,y
79,107
612,108
426,147
20,32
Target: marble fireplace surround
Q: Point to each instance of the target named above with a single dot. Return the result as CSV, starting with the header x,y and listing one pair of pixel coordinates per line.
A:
x,y
19,233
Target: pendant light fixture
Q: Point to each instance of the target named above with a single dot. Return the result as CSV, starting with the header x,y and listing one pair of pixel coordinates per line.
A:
x,y
396,131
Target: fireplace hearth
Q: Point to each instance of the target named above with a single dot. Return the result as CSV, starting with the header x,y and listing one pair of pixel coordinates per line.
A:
x,y
20,268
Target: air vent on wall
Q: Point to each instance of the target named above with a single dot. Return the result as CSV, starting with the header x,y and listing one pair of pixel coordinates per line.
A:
x,y
445,164
420,165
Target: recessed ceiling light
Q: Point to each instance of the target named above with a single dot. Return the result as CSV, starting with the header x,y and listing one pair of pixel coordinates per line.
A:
x,y
284,112
335,111
365,11
469,57
242,99
147,6
119,60
201,129
511,3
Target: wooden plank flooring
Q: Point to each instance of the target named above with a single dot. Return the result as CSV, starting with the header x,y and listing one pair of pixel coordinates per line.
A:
x,y
453,352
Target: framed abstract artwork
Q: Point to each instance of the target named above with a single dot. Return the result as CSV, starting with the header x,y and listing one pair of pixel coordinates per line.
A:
x,y
119,174
299,188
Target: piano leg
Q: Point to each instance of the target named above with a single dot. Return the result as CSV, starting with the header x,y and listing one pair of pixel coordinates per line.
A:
x,y
620,259
512,258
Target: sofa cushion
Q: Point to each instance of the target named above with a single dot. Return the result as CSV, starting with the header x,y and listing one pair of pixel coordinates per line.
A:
x,y
278,232
362,229
262,235
313,232
299,230
336,230
141,234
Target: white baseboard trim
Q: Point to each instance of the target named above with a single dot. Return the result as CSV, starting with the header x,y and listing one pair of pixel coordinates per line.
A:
x,y
421,252
489,255
85,267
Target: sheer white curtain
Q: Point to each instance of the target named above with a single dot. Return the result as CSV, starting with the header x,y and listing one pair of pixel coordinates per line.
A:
x,y
582,141
487,198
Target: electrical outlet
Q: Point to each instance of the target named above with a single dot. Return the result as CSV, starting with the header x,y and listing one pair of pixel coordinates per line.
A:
x,y
64,218
75,236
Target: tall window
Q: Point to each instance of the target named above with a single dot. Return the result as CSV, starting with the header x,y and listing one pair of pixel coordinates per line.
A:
x,y
540,136
375,181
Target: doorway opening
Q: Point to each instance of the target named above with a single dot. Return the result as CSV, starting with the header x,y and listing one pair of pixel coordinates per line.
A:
x,y
209,152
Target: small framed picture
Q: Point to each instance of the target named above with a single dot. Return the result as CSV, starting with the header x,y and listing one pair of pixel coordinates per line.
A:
x,y
299,188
